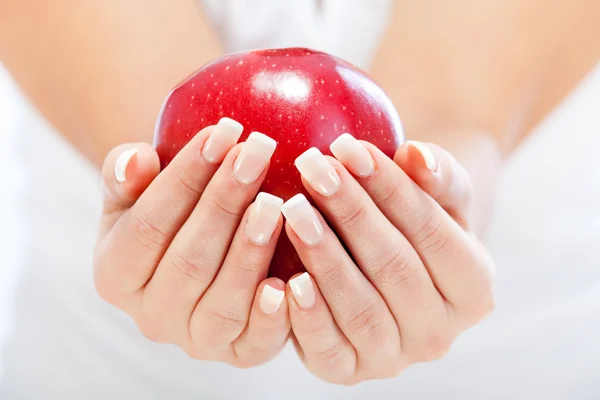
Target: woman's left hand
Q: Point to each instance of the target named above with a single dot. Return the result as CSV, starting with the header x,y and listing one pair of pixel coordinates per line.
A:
x,y
412,275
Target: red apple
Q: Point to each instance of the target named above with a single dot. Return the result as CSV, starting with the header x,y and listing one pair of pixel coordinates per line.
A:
x,y
299,97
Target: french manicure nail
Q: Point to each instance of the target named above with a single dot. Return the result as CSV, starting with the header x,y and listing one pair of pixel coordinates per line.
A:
x,y
263,218
303,290
428,157
224,136
254,157
319,173
271,299
353,155
304,221
122,163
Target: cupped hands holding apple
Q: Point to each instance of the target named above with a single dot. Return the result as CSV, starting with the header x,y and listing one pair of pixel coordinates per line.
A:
x,y
193,252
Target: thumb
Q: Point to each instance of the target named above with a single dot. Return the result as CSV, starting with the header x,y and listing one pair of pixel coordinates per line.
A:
x,y
440,175
127,171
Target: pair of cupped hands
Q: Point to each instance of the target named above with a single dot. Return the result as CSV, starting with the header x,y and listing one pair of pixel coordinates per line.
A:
x,y
186,252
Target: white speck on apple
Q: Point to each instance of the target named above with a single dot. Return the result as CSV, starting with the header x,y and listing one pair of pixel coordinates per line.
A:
x,y
240,63
227,68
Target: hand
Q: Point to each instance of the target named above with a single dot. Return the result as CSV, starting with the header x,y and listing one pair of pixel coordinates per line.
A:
x,y
413,277
185,254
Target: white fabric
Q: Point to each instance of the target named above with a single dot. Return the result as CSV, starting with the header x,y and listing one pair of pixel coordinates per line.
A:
x,y
62,342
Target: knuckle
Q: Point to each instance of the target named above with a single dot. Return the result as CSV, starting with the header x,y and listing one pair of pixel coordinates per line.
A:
x,y
151,330
249,267
226,207
243,363
367,321
434,347
430,237
337,361
392,196
395,270
188,184
196,352
222,321
479,302
148,234
104,290
330,272
353,217
193,264
104,282
251,354
480,309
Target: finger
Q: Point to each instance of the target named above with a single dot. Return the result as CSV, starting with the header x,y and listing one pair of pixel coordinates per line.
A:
x,y
129,254
268,326
326,351
222,314
356,306
126,173
383,254
458,267
196,254
440,175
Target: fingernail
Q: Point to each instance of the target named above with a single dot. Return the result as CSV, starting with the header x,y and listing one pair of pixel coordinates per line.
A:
x,y
319,173
303,290
304,221
353,155
271,299
223,137
428,157
263,218
254,157
122,163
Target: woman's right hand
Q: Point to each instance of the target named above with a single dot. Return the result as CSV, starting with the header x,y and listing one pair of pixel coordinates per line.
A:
x,y
186,254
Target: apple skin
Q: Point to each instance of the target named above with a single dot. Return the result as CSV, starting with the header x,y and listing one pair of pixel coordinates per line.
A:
x,y
300,97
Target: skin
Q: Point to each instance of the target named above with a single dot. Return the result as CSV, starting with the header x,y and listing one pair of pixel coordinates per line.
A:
x,y
428,281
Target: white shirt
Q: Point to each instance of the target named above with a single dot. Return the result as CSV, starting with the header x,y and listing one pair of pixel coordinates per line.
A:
x,y
62,342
